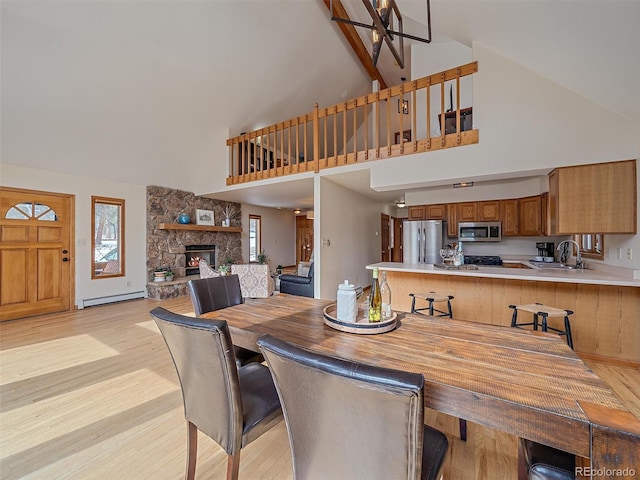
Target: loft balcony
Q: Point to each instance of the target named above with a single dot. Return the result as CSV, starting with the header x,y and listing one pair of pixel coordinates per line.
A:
x,y
418,116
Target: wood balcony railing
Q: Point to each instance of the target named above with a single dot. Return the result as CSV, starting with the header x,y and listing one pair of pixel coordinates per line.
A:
x,y
359,130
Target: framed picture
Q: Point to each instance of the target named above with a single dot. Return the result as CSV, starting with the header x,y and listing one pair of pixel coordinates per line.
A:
x,y
406,136
204,217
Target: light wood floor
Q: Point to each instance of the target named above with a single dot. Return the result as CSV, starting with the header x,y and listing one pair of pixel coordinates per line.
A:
x,y
93,394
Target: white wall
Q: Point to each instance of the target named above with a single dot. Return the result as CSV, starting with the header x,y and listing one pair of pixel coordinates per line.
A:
x,y
278,234
347,227
83,188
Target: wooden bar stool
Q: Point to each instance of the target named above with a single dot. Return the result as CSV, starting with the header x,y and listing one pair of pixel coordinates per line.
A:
x,y
431,298
539,310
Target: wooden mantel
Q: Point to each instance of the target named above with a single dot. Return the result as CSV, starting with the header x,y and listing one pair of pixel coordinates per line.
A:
x,y
200,228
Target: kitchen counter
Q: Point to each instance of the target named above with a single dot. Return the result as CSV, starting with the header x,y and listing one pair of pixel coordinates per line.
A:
x,y
603,275
605,300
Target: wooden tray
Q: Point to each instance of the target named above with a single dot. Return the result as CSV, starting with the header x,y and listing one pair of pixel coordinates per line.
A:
x,y
361,325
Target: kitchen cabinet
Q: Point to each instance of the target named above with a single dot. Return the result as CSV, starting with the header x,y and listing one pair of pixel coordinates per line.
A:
x,y
417,212
489,211
509,217
596,198
436,212
467,211
452,220
532,215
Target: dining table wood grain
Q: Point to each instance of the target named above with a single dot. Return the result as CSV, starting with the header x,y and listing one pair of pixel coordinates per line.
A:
x,y
528,384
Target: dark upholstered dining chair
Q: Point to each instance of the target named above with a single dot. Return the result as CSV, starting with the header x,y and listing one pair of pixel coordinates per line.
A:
x,y
231,405
350,420
214,293
540,462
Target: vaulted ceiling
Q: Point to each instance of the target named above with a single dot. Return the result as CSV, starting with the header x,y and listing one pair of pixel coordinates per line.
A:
x,y
127,90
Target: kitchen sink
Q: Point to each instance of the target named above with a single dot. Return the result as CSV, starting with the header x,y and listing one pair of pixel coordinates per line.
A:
x,y
556,265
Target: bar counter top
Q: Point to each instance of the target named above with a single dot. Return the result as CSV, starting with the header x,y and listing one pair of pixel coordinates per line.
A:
x,y
594,275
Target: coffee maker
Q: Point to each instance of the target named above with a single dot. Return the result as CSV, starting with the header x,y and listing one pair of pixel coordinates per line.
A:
x,y
546,249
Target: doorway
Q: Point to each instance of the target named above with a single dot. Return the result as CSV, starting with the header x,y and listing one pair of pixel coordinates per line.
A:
x,y
36,261
304,239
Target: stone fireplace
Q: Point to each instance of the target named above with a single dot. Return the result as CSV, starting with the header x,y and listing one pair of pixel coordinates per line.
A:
x,y
168,247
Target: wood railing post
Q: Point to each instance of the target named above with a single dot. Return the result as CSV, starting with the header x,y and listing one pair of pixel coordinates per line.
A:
x,y
458,137
316,138
442,112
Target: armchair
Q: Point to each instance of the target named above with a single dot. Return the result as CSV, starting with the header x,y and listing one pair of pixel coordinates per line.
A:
x,y
255,280
301,285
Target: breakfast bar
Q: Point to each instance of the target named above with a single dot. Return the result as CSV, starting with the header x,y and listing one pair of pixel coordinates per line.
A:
x,y
606,302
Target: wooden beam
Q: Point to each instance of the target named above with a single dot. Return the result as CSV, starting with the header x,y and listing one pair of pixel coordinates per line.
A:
x,y
350,33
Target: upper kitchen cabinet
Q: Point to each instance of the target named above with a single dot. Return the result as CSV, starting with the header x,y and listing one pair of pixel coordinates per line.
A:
x,y
509,217
416,212
452,220
532,215
597,198
428,212
467,211
489,211
436,212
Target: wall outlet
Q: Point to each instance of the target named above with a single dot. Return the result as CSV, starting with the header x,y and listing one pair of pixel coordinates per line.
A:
x,y
128,283
629,253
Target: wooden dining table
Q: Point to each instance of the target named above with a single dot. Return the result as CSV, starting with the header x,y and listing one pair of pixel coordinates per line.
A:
x,y
528,384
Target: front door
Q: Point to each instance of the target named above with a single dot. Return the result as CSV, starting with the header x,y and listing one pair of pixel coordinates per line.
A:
x,y
36,261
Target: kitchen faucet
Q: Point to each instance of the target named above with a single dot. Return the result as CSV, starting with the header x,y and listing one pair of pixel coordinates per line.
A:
x,y
579,263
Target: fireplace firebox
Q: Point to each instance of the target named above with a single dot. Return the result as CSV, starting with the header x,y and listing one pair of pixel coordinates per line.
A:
x,y
195,253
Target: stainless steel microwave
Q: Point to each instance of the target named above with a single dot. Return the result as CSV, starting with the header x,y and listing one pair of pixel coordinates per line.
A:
x,y
479,231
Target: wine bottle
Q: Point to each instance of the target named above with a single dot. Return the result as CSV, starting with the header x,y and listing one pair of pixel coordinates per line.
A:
x,y
385,295
375,301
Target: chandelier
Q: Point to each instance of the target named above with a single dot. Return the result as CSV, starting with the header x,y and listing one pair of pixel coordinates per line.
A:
x,y
385,14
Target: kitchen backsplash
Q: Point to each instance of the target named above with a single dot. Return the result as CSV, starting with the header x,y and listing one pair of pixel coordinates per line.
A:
x,y
520,246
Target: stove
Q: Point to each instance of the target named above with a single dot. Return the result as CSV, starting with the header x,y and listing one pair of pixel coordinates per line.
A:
x,y
491,260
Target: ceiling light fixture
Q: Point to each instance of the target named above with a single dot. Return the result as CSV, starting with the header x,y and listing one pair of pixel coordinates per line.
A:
x,y
297,211
463,184
383,13
400,203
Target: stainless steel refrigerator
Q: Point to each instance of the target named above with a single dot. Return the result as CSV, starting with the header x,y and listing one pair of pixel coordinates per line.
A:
x,y
422,241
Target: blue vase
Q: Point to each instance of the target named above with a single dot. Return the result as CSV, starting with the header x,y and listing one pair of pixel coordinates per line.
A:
x,y
184,218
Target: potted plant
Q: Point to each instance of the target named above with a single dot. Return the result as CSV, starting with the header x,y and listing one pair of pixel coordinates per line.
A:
x,y
224,269
279,269
169,275
263,258
160,274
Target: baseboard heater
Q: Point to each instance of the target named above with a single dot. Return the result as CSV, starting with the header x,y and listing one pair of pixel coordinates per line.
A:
x,y
90,302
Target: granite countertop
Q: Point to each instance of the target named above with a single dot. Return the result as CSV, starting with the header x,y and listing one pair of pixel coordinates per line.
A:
x,y
595,275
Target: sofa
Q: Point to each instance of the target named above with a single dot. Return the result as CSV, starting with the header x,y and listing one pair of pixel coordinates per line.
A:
x,y
301,285
255,279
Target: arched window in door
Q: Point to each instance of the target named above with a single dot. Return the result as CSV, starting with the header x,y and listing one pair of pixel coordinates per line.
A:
x,y
31,211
